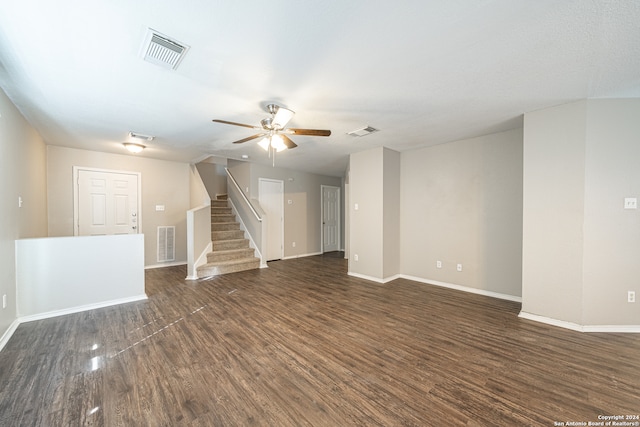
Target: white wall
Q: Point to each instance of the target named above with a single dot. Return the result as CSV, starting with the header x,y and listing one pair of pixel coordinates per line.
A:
x,y
22,174
61,275
462,203
581,248
163,183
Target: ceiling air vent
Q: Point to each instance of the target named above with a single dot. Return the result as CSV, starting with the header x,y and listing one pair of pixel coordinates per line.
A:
x,y
161,50
363,132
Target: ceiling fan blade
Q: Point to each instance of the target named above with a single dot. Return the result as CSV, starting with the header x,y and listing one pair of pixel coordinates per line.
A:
x,y
249,138
313,132
288,142
234,124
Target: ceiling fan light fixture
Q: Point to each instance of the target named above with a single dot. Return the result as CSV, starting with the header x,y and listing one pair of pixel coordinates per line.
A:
x,y
264,143
282,117
133,147
278,143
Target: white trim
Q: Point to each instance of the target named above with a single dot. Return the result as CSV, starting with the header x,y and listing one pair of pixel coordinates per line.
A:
x,y
302,255
81,308
550,321
76,207
270,221
9,333
632,329
464,288
252,243
168,264
374,279
635,329
202,260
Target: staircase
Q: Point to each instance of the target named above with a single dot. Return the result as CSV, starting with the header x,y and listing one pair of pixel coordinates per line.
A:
x,y
231,251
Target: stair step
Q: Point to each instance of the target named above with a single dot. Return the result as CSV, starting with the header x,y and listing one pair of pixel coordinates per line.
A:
x,y
227,235
223,218
224,267
224,226
220,211
227,255
223,245
219,203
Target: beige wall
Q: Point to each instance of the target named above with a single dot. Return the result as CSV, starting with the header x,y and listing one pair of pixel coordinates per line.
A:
x,y
214,178
391,213
366,228
303,216
462,203
612,234
581,246
554,161
22,174
163,183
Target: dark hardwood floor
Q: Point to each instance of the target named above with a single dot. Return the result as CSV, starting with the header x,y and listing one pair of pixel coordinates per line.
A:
x,y
301,343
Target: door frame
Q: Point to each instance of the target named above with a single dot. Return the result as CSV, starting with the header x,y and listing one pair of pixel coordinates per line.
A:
x,y
76,205
322,187
281,182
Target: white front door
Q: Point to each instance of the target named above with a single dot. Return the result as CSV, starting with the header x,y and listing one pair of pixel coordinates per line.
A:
x,y
330,218
271,197
106,202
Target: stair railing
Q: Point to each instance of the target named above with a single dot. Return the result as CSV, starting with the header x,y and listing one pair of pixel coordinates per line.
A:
x,y
251,216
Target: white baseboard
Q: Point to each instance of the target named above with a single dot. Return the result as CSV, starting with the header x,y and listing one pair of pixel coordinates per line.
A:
x,y
374,279
302,255
78,309
484,292
8,333
635,329
166,264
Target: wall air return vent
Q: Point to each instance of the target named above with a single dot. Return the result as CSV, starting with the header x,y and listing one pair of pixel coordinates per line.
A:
x,y
163,51
363,132
166,243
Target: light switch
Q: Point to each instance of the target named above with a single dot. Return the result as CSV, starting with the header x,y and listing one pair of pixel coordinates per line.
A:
x,y
159,208
356,207
630,203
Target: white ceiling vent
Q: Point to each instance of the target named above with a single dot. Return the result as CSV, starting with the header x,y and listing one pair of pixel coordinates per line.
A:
x,y
163,51
363,132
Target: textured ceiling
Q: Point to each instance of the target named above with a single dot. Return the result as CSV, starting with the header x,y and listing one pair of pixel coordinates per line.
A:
x,y
423,72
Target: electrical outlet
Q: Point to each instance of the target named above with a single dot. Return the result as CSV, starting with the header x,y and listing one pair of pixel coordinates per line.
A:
x,y
631,296
438,264
4,301
355,257
459,267
293,244
630,203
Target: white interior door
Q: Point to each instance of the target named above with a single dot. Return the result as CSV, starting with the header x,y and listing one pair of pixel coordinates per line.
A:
x,y
330,218
106,203
271,197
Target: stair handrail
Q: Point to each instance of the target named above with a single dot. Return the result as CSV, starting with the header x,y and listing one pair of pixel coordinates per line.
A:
x,y
246,200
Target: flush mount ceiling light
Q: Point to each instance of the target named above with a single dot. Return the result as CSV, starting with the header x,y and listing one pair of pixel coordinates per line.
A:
x,y
162,50
367,130
133,147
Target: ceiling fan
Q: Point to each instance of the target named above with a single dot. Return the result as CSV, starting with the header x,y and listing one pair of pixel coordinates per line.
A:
x,y
273,130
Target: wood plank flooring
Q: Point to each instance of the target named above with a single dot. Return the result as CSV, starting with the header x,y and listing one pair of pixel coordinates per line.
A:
x,y
303,344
